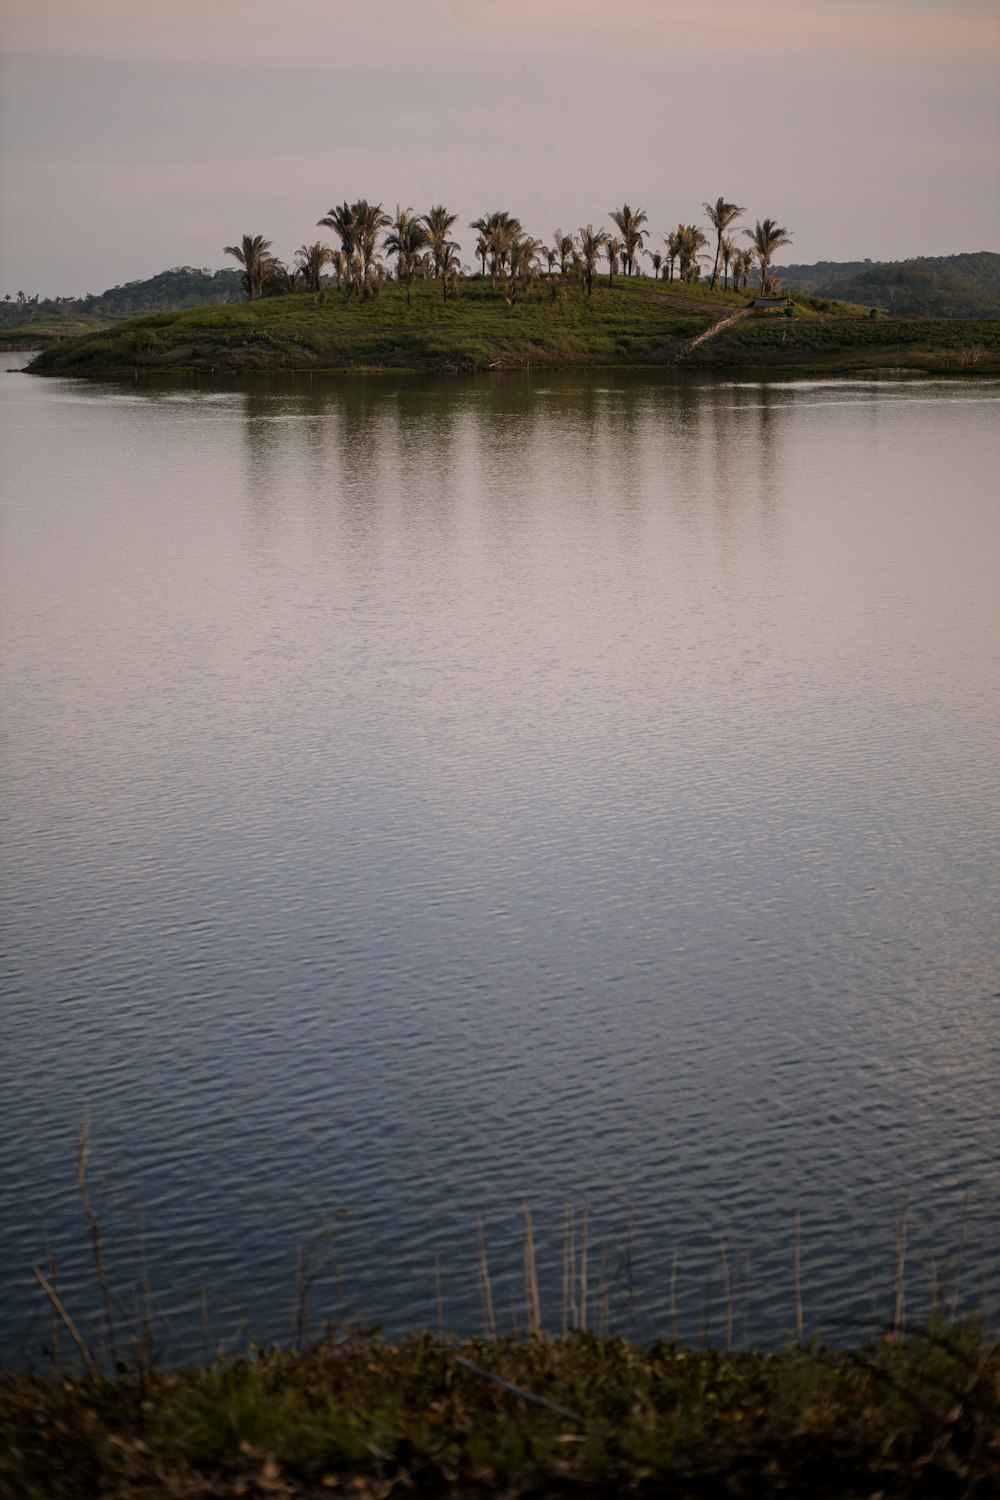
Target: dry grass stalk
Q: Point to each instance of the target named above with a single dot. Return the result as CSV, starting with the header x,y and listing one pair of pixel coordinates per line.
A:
x,y
573,1312
728,1288
673,1297
94,1224
485,1285
438,1297
566,1272
603,1298
205,1350
147,1292
706,1310
799,1320
958,1259
899,1308
54,1328
584,1250
628,1270
89,1363
532,1301
935,1280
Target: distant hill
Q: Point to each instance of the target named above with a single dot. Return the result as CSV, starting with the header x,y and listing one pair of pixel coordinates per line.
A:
x,y
175,290
170,291
929,286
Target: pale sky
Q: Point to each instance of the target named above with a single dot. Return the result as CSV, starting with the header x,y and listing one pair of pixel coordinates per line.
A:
x,y
142,134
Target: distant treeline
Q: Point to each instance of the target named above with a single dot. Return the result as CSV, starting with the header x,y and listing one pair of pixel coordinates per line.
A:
x,y
169,291
939,286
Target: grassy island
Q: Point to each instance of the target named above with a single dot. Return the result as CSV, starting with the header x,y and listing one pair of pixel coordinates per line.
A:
x,y
637,321
915,1415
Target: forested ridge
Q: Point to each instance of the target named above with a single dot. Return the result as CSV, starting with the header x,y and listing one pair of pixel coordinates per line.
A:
x,y
928,286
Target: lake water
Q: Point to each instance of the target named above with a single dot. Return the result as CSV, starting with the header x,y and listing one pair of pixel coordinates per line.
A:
x,y
422,797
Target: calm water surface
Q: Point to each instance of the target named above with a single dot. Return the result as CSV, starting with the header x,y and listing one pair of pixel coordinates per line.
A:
x,y
421,798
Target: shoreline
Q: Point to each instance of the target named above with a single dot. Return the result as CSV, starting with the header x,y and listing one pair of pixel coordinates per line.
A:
x,y
933,367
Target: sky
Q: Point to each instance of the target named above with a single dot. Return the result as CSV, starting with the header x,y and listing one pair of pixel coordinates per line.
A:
x,y
141,134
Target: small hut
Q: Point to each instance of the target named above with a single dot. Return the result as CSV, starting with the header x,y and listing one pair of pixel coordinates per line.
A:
x,y
770,304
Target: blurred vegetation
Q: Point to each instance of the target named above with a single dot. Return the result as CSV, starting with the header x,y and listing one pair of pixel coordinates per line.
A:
x,y
915,1415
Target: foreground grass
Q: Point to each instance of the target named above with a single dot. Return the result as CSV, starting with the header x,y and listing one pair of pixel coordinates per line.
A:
x,y
638,322
917,1416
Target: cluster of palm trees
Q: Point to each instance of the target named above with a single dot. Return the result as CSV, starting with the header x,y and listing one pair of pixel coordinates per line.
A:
x,y
266,276
423,249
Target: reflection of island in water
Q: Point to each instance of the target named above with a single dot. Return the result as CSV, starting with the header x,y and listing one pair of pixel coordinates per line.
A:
x,y
511,446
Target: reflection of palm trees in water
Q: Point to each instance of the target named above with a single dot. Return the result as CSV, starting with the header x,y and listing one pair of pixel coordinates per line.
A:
x,y
747,453
409,465
263,466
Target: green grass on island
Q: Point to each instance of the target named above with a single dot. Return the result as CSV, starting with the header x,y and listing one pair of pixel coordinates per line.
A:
x,y
637,322
577,1415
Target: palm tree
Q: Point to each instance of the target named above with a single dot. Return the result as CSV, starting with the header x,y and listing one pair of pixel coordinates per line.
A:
x,y
727,249
591,242
498,232
523,253
693,242
359,225
407,242
311,259
491,228
451,264
483,240
742,264
613,248
630,223
721,216
369,221
342,221
657,260
673,244
563,244
254,255
340,264
691,239
439,225
279,281
767,237
503,238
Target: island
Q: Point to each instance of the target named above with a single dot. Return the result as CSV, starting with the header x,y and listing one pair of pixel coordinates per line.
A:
x,y
558,322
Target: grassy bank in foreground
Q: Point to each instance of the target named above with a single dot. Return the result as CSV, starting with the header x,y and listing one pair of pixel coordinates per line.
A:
x,y
578,1415
636,322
